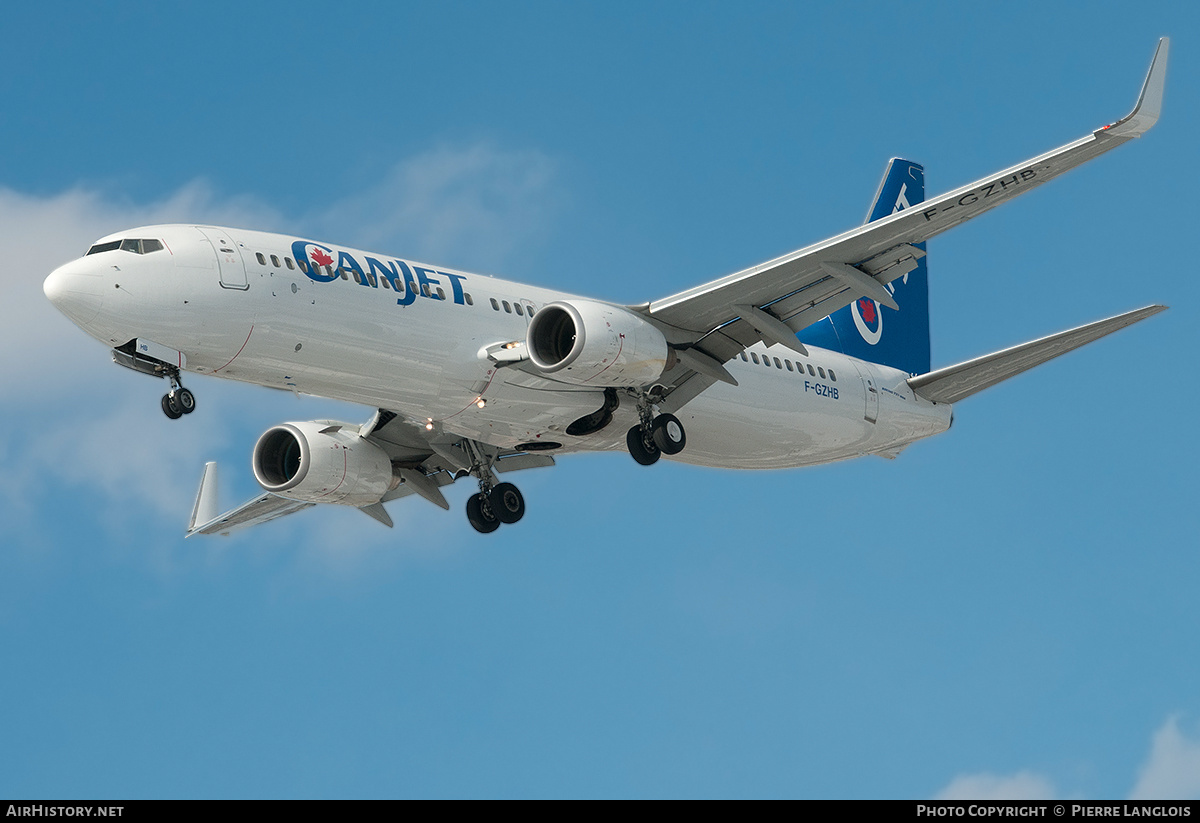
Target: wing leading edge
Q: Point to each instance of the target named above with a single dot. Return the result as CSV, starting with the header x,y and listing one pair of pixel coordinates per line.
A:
x,y
800,288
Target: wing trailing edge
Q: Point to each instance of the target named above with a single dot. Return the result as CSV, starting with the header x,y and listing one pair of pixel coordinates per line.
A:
x,y
954,383
801,288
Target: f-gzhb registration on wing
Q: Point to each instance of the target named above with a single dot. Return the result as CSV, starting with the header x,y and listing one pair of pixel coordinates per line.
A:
x,y
819,355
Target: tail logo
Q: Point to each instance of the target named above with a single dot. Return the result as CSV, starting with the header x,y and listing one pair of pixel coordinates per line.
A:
x,y
866,314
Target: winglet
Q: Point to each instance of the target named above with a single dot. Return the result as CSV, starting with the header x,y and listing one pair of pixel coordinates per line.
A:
x,y
205,510
1149,104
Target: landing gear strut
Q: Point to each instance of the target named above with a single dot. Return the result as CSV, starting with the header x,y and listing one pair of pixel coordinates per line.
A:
x,y
178,401
655,436
496,503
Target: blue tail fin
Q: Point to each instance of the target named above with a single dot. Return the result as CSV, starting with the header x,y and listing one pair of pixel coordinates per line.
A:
x,y
868,331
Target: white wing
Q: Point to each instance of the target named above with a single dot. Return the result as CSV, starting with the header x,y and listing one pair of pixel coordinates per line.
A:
x,y
774,300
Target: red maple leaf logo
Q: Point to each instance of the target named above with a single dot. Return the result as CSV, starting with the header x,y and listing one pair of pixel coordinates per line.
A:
x,y
867,309
321,258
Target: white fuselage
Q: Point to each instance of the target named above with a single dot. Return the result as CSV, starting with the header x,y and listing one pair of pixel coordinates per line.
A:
x,y
421,351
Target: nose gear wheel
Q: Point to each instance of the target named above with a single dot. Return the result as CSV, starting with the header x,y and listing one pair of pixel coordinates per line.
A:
x,y
178,401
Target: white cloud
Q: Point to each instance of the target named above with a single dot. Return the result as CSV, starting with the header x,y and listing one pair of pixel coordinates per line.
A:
x,y
475,206
69,423
1023,785
38,234
467,208
1172,772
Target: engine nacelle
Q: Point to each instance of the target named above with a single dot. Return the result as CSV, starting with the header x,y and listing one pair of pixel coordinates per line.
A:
x,y
595,344
321,462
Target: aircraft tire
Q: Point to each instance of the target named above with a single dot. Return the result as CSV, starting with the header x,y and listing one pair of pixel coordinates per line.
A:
x,y
480,516
669,435
185,400
507,503
644,450
171,408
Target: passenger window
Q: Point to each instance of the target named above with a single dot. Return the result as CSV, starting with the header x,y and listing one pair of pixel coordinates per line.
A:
x,y
329,272
788,363
134,246
425,289
288,260
275,261
342,274
529,309
832,376
262,261
754,357
744,358
810,371
303,265
387,284
520,309
467,297
372,279
778,365
507,308
495,305
151,245
440,293
822,371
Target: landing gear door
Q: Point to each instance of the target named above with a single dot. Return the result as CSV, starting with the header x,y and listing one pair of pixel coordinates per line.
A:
x,y
229,259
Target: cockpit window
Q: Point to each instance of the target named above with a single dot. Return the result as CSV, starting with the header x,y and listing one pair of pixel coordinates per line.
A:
x,y
135,246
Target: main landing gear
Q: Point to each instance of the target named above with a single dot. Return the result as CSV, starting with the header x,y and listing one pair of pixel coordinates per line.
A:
x,y
488,509
496,503
655,436
178,401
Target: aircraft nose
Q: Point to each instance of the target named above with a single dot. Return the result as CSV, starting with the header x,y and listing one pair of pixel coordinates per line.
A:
x,y
76,293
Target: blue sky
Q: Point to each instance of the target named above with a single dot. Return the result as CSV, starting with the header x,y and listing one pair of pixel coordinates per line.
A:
x,y
1008,608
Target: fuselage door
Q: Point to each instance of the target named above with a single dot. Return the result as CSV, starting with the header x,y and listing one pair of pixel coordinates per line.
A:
x,y
872,410
229,259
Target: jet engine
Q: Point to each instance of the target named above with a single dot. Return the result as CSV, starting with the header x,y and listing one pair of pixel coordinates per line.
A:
x,y
322,462
594,344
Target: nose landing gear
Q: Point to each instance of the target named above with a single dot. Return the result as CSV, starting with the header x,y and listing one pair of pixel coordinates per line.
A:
x,y
178,401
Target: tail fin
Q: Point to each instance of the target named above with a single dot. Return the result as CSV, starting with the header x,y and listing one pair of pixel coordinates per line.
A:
x,y
867,330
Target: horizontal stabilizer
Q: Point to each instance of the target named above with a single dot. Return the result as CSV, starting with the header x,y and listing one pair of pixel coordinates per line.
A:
x,y
953,383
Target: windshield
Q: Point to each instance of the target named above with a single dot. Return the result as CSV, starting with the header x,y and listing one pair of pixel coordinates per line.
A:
x,y
135,246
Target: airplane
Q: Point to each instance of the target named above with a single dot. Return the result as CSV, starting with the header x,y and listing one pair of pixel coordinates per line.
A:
x,y
819,355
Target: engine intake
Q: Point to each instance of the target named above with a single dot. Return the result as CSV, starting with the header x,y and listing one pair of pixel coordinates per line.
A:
x,y
595,344
322,462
